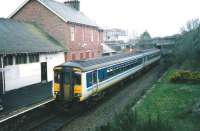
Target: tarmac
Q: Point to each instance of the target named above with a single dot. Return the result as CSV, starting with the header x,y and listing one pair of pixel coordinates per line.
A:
x,y
25,99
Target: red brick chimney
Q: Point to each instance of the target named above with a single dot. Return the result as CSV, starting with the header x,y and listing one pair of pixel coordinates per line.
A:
x,y
73,3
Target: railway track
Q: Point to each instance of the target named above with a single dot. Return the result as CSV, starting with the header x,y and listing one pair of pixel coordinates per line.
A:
x,y
54,119
54,123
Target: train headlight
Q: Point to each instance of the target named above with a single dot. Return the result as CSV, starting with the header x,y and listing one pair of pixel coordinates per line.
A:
x,y
56,88
77,95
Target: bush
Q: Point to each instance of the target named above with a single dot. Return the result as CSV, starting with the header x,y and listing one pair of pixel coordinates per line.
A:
x,y
186,76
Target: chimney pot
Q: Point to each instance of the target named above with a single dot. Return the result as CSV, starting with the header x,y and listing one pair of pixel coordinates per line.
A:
x,y
73,3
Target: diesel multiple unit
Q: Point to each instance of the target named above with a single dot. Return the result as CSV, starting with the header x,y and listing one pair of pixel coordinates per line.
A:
x,y
82,79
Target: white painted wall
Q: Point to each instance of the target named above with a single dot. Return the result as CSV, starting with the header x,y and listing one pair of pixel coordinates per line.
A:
x,y
52,61
18,76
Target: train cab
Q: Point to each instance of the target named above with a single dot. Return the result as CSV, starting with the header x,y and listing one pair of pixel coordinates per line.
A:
x,y
67,83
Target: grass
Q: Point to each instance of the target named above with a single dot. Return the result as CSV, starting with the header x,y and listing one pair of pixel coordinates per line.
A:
x,y
128,121
173,103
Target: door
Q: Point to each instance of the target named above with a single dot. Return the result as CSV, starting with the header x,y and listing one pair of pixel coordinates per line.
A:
x,y
1,82
94,81
62,79
66,86
44,71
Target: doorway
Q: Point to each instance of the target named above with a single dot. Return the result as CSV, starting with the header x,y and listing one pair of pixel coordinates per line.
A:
x,y
44,71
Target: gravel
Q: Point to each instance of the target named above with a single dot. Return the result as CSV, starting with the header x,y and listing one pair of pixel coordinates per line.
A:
x,y
104,111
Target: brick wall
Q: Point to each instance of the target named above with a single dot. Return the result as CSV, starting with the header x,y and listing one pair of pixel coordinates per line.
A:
x,y
37,13
56,27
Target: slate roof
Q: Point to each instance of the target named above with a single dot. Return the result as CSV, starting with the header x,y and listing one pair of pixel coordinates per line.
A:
x,y
20,37
86,65
68,13
65,12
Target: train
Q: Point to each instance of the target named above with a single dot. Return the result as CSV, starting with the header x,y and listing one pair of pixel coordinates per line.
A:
x,y
82,79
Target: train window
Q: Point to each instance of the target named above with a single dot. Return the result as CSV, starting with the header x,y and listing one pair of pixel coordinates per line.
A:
x,y
111,72
115,70
77,78
102,74
94,77
56,77
89,79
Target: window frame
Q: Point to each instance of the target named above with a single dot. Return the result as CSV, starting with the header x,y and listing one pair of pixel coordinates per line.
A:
x,y
73,56
72,33
8,60
92,35
21,59
33,58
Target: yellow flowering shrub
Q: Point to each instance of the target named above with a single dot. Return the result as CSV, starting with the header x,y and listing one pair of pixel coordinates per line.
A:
x,y
185,76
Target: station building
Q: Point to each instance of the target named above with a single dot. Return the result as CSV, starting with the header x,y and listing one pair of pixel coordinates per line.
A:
x,y
27,55
81,36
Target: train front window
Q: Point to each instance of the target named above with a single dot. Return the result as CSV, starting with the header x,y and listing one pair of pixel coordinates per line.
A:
x,y
77,78
57,77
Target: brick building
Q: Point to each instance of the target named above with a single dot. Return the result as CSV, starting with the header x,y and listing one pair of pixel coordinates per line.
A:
x,y
81,36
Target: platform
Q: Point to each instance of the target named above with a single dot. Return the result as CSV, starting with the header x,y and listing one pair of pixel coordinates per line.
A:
x,y
19,101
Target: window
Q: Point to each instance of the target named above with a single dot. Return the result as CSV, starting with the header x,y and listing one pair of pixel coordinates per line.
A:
x,y
81,56
89,79
98,36
94,75
102,74
92,35
72,32
33,58
77,78
21,59
8,60
87,54
73,56
83,33
57,77
92,54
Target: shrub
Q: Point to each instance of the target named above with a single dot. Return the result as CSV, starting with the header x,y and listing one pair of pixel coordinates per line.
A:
x,y
186,76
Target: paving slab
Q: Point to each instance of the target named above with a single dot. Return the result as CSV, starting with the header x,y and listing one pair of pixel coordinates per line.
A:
x,y
25,99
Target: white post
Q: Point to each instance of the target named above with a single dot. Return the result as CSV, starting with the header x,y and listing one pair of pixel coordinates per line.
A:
x,y
3,79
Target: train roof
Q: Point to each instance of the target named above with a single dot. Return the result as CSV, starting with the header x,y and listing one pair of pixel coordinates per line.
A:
x,y
86,65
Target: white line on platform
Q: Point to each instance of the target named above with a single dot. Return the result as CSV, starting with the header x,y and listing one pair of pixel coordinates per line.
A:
x,y
24,111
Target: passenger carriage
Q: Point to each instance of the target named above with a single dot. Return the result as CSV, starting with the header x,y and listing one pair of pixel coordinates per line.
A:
x,y
82,79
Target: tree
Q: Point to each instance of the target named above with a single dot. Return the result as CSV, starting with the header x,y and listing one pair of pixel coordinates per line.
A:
x,y
145,36
188,44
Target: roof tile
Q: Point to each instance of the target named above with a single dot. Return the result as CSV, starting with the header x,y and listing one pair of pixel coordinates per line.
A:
x,y
20,37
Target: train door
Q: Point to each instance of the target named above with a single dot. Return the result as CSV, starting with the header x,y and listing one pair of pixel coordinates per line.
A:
x,y
66,85
63,84
77,88
94,81
44,71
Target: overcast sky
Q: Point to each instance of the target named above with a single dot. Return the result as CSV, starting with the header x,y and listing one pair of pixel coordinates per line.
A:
x,y
159,17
